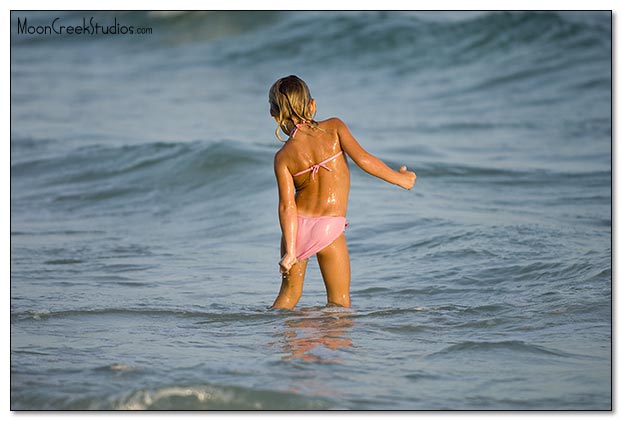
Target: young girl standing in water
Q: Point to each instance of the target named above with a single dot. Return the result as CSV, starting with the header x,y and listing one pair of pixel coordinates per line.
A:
x,y
314,182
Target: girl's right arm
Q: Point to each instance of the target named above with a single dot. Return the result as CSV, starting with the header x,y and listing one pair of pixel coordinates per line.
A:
x,y
288,213
371,164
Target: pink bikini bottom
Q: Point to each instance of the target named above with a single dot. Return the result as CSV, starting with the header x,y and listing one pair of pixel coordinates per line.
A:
x,y
314,234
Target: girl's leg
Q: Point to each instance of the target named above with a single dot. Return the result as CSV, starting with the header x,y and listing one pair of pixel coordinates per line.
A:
x,y
334,262
291,284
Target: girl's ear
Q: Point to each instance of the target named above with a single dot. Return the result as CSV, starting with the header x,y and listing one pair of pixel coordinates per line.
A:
x,y
312,106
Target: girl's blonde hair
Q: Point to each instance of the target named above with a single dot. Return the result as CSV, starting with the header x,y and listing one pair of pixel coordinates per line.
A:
x,y
290,103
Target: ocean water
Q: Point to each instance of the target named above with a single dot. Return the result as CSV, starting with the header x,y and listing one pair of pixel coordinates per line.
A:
x,y
145,237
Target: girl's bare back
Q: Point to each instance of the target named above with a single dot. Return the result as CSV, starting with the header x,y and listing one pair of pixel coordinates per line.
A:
x,y
323,191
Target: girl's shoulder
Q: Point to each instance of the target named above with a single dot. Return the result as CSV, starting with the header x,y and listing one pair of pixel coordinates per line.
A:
x,y
333,123
282,151
286,151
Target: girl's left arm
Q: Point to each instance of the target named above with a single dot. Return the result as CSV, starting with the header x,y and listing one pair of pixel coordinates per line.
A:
x,y
288,214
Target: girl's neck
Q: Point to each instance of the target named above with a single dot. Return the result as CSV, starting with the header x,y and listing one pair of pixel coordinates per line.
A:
x,y
296,127
293,131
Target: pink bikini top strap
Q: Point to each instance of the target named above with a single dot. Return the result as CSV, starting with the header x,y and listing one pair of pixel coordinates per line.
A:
x,y
315,168
297,127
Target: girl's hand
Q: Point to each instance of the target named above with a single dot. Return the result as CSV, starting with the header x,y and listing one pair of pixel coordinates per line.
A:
x,y
408,178
287,262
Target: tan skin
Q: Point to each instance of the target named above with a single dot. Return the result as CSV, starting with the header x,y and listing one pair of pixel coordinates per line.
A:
x,y
325,195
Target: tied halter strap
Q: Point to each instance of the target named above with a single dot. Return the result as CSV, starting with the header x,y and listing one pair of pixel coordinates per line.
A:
x,y
297,127
313,169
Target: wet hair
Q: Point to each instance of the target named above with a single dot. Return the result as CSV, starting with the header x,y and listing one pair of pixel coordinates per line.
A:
x,y
290,103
